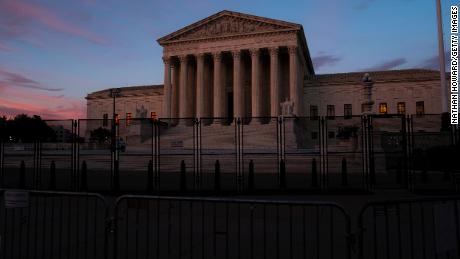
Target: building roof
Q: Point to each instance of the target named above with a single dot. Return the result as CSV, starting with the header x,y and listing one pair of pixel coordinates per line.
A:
x,y
128,91
404,75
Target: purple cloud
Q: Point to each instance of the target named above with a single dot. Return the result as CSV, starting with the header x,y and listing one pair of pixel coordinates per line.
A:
x,y
388,65
324,60
433,62
10,79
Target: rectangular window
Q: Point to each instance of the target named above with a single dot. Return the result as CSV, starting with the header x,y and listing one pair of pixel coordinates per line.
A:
x,y
313,112
153,115
129,117
420,108
347,112
330,111
383,108
401,108
105,120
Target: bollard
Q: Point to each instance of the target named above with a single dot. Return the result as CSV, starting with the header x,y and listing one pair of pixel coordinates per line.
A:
x,y
84,176
52,185
424,173
217,176
150,176
22,175
398,172
344,172
372,171
116,176
282,175
314,174
251,176
183,180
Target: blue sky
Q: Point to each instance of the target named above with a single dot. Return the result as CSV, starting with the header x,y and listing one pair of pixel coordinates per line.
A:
x,y
52,53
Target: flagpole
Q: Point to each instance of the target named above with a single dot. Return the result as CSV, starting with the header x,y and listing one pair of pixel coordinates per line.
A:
x,y
442,62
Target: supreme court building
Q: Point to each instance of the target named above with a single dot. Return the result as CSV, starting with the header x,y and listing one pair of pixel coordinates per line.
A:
x,y
239,65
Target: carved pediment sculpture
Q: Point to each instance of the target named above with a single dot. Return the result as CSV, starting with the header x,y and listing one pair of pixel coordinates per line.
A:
x,y
228,23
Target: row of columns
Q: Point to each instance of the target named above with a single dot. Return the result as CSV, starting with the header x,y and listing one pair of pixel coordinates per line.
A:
x,y
172,104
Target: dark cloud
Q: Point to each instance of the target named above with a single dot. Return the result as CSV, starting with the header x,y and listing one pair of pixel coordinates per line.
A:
x,y
433,62
388,65
324,60
10,79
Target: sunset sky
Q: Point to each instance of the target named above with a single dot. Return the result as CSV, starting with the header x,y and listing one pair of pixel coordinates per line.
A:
x,y
52,53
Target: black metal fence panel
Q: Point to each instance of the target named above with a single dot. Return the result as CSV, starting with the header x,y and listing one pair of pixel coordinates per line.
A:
x,y
96,153
301,151
177,142
244,154
419,228
168,227
433,152
52,225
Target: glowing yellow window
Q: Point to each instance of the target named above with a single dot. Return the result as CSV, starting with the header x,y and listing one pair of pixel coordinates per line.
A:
x,y
383,108
401,108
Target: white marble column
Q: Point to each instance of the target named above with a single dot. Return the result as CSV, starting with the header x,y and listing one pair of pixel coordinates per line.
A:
x,y
200,94
219,90
238,98
293,84
274,82
256,93
183,91
167,88
174,90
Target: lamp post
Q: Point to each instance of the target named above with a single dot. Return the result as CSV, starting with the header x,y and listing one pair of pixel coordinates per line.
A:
x,y
114,93
368,83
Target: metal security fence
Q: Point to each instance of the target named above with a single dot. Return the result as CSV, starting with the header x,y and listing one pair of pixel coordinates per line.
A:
x,y
172,227
295,154
43,224
52,225
418,228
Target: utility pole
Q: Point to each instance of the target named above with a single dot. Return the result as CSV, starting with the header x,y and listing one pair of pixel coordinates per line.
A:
x,y
442,62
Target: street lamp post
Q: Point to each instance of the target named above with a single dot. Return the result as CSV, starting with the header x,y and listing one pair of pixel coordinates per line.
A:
x,y
114,93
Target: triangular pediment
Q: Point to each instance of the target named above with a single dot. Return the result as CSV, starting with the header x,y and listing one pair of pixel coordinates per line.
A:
x,y
228,23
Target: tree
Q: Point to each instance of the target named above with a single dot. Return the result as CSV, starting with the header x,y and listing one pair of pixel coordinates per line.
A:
x,y
26,129
100,135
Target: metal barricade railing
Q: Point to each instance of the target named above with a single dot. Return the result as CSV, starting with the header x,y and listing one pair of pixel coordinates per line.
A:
x,y
411,228
39,224
180,227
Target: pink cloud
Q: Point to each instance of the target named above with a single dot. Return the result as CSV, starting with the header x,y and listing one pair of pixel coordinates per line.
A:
x,y
19,13
14,101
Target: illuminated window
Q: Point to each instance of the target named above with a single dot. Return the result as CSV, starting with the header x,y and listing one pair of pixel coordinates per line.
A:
x,y
330,111
401,108
153,115
347,111
105,120
313,112
117,118
420,108
383,108
129,117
